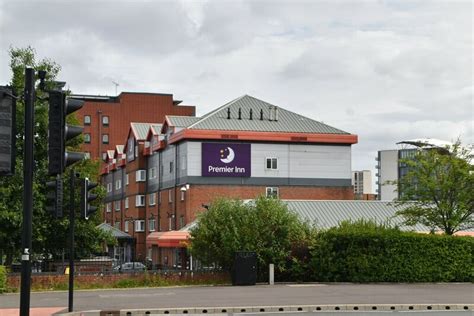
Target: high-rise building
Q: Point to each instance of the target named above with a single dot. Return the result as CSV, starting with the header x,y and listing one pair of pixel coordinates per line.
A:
x,y
362,182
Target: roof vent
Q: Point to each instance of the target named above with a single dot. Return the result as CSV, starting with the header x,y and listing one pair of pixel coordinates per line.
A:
x,y
270,108
261,114
276,113
228,113
240,113
251,114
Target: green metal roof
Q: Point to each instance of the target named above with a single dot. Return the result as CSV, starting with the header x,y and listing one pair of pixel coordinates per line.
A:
x,y
327,214
141,129
117,233
182,121
287,121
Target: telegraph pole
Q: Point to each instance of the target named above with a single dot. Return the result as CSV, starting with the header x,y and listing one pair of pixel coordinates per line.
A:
x,y
27,192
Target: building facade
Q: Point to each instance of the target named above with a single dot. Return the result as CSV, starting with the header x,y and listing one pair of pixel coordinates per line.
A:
x,y
172,171
106,119
389,169
362,183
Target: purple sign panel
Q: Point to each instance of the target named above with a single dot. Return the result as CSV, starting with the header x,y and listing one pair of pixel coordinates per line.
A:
x,y
225,160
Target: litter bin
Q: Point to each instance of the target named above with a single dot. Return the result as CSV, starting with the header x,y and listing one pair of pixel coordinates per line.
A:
x,y
244,271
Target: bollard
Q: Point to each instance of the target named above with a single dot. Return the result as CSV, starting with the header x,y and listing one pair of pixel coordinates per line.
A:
x,y
271,274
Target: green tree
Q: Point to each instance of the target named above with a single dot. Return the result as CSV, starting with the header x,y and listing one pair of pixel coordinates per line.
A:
x,y
439,189
49,234
265,226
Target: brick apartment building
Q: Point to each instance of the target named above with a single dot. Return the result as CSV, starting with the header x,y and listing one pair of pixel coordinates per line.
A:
x,y
106,119
167,173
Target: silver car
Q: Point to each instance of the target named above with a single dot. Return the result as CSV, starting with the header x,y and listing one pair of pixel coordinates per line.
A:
x,y
130,266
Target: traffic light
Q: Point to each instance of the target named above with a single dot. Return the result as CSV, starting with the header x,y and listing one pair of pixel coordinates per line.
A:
x,y
54,197
86,197
7,131
60,132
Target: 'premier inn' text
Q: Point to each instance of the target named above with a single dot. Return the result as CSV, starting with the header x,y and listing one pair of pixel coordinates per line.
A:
x,y
226,169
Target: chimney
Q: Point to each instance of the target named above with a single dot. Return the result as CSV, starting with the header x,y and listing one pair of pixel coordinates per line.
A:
x,y
240,113
276,112
251,114
261,114
228,113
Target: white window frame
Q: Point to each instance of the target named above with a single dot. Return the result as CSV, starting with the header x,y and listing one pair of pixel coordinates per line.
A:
x,y
109,187
87,155
125,226
152,199
170,196
139,200
126,179
105,120
140,175
117,225
139,225
87,138
273,163
87,120
181,222
126,202
117,205
118,184
270,192
152,173
151,225
105,138
182,194
108,207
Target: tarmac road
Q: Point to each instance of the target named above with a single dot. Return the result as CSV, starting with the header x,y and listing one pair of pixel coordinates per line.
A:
x,y
260,295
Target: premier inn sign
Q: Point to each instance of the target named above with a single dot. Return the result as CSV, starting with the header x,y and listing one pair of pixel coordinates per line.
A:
x,y
225,160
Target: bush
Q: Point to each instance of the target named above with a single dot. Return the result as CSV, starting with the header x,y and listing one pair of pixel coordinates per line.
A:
x,y
365,252
3,279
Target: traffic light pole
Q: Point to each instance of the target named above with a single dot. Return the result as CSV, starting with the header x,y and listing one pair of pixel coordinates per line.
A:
x,y
28,153
72,217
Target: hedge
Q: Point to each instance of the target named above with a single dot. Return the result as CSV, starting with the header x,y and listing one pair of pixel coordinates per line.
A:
x,y
389,255
3,279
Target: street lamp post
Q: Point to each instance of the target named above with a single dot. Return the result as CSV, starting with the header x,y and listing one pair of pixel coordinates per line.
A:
x,y
133,237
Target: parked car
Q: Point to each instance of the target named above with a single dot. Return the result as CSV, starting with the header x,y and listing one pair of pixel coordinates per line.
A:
x,y
130,266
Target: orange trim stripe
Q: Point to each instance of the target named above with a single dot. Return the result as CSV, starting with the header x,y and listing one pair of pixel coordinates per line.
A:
x,y
264,136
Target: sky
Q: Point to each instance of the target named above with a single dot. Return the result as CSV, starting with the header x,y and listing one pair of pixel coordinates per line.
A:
x,y
385,70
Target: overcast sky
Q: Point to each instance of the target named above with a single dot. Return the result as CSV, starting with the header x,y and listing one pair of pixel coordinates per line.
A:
x,y
384,70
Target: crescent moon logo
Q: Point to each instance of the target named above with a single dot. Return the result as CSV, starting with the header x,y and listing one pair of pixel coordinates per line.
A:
x,y
230,155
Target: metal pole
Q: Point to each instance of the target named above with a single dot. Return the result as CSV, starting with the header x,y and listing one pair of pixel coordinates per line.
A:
x,y
27,192
71,240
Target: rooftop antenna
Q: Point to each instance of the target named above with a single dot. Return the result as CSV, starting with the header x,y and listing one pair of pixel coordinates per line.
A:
x,y
116,85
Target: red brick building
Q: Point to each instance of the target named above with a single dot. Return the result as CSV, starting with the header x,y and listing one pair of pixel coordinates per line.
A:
x,y
106,120
169,172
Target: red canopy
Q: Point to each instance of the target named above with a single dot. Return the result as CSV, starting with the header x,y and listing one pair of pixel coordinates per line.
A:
x,y
169,239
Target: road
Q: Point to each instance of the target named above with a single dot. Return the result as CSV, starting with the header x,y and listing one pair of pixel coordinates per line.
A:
x,y
260,295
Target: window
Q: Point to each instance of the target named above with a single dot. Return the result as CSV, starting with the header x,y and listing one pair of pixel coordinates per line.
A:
x,y
126,202
105,120
152,199
182,194
108,207
105,138
170,196
181,222
87,155
136,151
140,175
118,184
87,138
272,192
126,179
171,166
151,225
109,187
272,163
104,156
87,120
140,226
117,206
140,200
125,226
117,225
152,173
159,197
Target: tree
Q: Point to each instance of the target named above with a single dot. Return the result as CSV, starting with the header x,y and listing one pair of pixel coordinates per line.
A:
x,y
49,235
439,189
265,226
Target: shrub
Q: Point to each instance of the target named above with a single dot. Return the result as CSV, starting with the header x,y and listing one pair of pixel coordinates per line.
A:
x,y
366,252
3,279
